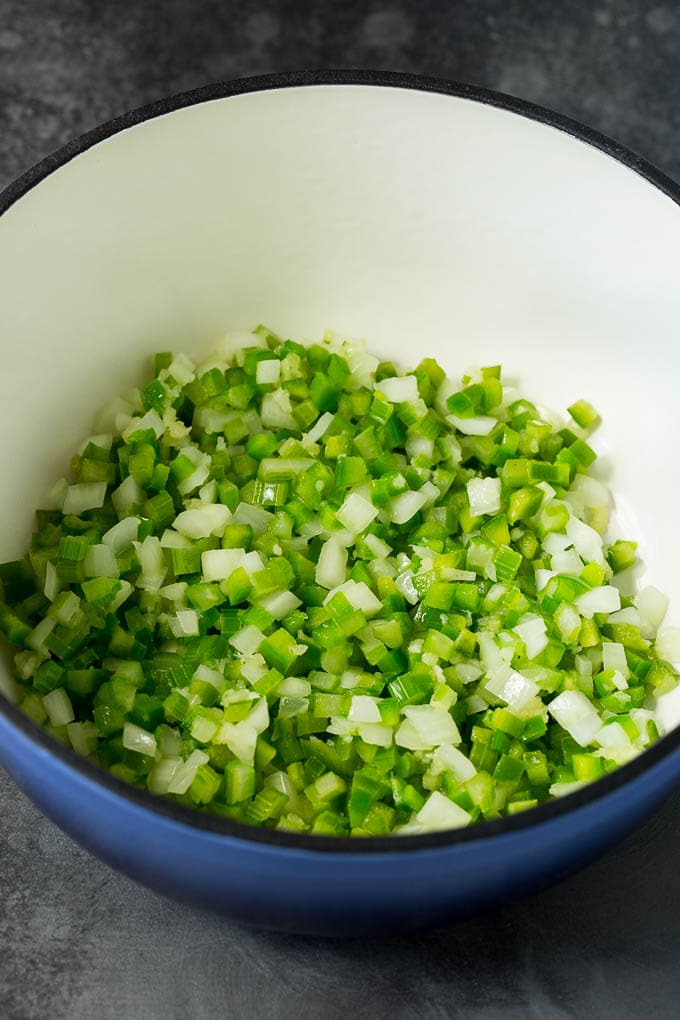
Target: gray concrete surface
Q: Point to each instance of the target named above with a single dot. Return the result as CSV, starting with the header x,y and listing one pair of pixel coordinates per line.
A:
x,y
78,941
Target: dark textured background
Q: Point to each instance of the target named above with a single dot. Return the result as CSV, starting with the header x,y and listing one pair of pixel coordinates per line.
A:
x,y
77,941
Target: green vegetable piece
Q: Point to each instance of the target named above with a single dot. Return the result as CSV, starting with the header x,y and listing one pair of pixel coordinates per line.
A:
x,y
621,555
239,780
584,414
280,651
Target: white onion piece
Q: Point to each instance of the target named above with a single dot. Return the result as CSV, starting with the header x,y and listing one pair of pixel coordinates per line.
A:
x,y
605,599
484,496
668,644
576,715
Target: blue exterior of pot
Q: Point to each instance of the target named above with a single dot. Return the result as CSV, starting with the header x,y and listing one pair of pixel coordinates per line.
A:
x,y
365,887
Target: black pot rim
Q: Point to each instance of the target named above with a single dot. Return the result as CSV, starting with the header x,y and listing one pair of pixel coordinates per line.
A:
x,y
197,819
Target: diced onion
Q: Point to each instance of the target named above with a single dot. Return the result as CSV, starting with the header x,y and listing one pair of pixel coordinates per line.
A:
x,y
330,569
406,506
667,644
439,813
137,739
267,372
58,707
577,715
652,605
356,513
514,689
605,599
484,496
400,389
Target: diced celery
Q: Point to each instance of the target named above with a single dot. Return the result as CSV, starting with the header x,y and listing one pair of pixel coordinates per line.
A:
x,y
299,588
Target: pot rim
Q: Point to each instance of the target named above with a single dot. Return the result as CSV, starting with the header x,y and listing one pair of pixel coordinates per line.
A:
x,y
194,818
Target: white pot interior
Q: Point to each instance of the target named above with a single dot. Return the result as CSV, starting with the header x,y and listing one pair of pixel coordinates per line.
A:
x,y
426,223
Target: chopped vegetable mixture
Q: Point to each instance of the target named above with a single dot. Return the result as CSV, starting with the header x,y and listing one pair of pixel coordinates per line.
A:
x,y
297,588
